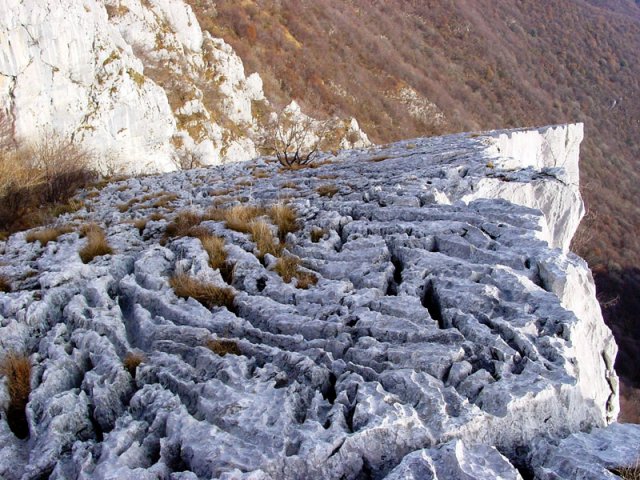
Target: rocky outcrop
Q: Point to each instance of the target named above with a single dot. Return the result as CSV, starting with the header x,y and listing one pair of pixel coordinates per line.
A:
x,y
445,337
136,81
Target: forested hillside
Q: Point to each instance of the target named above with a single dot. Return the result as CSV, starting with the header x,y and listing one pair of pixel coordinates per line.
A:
x,y
412,68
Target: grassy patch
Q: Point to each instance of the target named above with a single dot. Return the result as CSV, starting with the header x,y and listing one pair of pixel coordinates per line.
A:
x,y
206,293
5,284
317,234
285,218
48,234
264,239
132,361
140,224
97,244
223,347
183,224
16,368
288,267
238,218
327,190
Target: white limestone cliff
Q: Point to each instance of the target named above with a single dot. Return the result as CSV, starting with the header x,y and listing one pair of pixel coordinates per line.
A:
x,y
136,81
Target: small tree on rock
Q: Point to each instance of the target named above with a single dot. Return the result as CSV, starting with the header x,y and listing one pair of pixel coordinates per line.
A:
x,y
293,138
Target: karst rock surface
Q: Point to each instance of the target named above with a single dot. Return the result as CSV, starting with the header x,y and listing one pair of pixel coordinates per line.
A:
x,y
450,335
138,82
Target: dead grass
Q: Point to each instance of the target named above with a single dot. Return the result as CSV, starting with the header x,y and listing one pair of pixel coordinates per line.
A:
x,y
327,190
140,224
206,293
48,234
132,361
289,185
214,246
379,158
264,239
220,192
327,177
285,218
16,368
317,234
5,284
288,267
223,347
156,216
164,200
122,188
629,473
257,173
236,218
72,206
96,246
183,225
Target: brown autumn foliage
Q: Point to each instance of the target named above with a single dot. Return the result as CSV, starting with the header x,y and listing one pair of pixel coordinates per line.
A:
x,y
484,64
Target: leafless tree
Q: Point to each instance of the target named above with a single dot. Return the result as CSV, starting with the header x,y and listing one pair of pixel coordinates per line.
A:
x,y
294,140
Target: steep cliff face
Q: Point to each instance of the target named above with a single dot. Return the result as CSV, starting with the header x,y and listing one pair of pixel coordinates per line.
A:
x,y
446,335
137,81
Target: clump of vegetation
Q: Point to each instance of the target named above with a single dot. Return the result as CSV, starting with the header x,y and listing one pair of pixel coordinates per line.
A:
x,y
240,217
285,218
317,234
16,368
48,234
38,177
223,347
288,267
97,243
206,293
629,473
263,237
214,246
5,284
183,224
140,224
132,361
327,190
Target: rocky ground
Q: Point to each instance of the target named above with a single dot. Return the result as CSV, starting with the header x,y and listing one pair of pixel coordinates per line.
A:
x,y
435,327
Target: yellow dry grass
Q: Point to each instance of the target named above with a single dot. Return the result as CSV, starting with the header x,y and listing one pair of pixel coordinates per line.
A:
x,y
206,293
96,246
48,234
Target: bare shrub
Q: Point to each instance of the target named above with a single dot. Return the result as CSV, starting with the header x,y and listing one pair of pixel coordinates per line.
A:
x,y
16,368
97,244
48,234
293,139
629,473
223,347
206,293
132,361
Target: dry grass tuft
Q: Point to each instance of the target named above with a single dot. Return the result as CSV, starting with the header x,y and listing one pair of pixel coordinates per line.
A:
x,y
140,224
97,244
629,473
131,362
264,239
5,284
317,234
16,368
289,268
327,190
183,224
48,234
285,218
206,293
239,218
156,216
164,200
257,173
214,246
379,158
289,185
122,188
223,347
306,280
